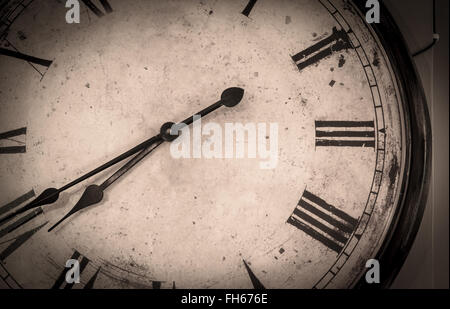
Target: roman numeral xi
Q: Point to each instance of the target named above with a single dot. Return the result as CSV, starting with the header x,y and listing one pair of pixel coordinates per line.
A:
x,y
322,221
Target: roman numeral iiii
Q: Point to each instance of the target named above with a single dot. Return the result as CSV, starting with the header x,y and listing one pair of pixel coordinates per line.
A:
x,y
322,221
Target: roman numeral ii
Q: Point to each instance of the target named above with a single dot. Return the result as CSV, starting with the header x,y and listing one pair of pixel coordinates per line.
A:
x,y
336,42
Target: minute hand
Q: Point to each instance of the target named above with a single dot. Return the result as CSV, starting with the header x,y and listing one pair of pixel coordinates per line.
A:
x,y
51,195
94,193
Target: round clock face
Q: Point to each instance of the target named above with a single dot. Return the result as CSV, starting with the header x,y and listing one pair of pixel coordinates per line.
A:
x,y
306,209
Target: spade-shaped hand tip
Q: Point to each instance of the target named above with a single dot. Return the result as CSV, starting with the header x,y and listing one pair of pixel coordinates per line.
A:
x,y
92,195
49,196
232,96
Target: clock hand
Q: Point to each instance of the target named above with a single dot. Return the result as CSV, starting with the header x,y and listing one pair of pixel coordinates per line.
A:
x,y
94,193
229,98
51,195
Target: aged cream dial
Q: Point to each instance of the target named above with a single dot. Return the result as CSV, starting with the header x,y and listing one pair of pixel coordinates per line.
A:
x,y
82,94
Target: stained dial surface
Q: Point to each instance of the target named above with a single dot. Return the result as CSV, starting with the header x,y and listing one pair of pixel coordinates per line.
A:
x,y
75,95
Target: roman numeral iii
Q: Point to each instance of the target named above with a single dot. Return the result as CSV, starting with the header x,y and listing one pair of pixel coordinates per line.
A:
x,y
345,134
336,42
322,221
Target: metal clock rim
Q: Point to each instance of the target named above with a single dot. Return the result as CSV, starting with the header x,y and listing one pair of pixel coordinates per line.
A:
x,y
417,175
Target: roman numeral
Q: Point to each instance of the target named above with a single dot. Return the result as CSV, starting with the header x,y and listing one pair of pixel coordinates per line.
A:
x,y
23,220
90,284
32,61
21,239
10,136
255,281
106,6
28,58
61,283
345,134
322,221
9,14
249,7
10,206
156,285
336,42
83,261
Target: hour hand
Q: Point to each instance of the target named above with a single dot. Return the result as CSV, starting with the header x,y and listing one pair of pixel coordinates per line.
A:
x,y
94,193
49,196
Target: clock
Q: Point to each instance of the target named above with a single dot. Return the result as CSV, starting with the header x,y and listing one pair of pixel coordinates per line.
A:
x,y
327,110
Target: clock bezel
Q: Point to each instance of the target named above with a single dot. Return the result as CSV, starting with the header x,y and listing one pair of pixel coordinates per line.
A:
x,y
417,174
414,189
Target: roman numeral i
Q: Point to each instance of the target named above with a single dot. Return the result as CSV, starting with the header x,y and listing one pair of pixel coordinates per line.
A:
x,y
322,221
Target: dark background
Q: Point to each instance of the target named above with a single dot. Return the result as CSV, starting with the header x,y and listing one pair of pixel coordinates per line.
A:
x,y
427,265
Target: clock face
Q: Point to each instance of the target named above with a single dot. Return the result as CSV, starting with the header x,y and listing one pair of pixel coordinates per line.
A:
x,y
310,214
